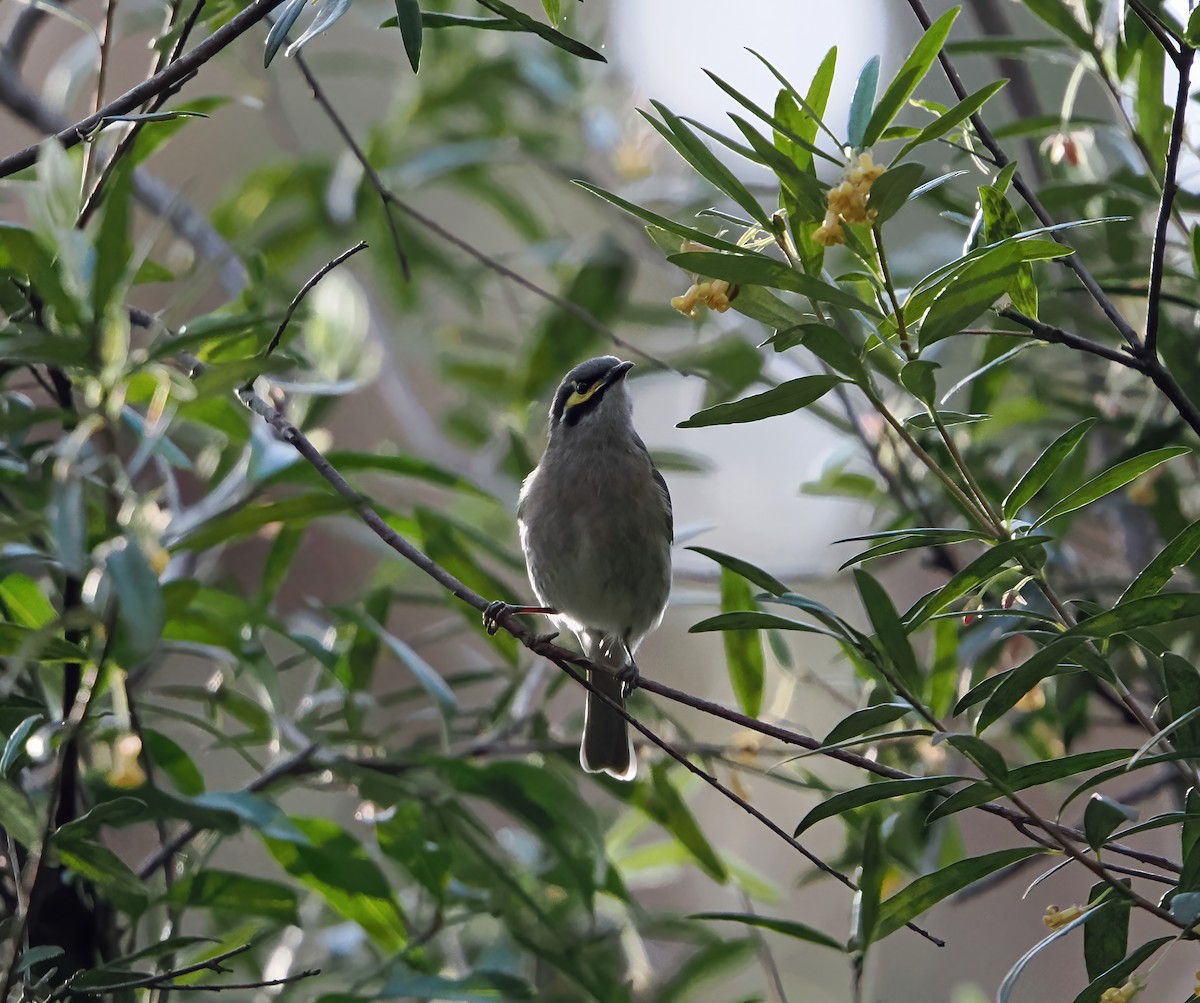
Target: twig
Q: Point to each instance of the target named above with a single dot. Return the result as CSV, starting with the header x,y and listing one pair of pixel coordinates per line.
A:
x,y
317,276
1170,187
1159,30
106,28
389,197
1057,336
283,768
168,76
127,141
988,138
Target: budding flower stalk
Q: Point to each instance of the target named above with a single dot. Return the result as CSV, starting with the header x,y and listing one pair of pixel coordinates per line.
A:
x,y
846,202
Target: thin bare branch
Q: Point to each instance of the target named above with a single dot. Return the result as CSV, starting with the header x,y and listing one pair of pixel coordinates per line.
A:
x,y
1170,187
149,88
317,276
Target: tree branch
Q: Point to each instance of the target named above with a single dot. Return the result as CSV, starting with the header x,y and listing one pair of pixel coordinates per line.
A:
x,y
1170,187
170,75
988,138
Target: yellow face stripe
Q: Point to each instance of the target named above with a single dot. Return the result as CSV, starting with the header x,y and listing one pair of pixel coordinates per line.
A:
x,y
578,398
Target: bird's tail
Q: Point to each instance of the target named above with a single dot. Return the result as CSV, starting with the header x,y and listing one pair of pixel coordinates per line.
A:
x,y
606,747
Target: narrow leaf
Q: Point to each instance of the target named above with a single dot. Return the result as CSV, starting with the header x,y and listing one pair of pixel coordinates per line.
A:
x,y
744,657
787,927
929,889
1043,468
1112,479
862,103
870,793
911,73
783,399
408,19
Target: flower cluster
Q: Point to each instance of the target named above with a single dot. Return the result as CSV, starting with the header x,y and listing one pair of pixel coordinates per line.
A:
x,y
713,294
847,202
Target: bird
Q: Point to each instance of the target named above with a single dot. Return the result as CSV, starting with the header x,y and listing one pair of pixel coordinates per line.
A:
x,y
596,529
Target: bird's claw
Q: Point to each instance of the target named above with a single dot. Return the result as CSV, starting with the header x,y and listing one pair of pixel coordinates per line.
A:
x,y
491,615
629,677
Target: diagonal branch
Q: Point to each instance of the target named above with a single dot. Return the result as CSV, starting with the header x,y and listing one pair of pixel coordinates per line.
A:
x,y
988,138
170,75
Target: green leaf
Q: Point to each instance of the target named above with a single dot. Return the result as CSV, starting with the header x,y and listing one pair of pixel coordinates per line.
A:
x,y
267,818
893,188
236,894
793,395
830,346
962,111
977,286
911,73
787,927
1183,692
551,35
1105,943
1058,16
758,269
929,889
412,836
990,762
36,955
1119,974
1101,818
865,910
861,104
867,719
167,755
140,611
553,10
1154,577
430,679
744,657
112,239
870,793
408,20
549,806
892,638
38,645
803,187
1023,777
717,960
298,510
917,377
1112,479
1191,34
1146,612
653,218
25,603
284,20
17,817
689,146
980,570
1043,468
754,620
14,746
743,568
334,864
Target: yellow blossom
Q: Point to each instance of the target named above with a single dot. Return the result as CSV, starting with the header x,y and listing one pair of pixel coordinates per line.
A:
x,y
714,294
126,771
1122,995
847,200
1057,918
830,232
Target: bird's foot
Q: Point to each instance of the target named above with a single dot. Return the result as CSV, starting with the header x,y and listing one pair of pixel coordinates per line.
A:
x,y
629,677
499,608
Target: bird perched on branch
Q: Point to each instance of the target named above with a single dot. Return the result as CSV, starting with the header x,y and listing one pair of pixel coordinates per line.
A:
x,y
596,528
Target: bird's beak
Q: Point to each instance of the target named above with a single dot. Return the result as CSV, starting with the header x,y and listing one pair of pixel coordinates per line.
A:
x,y
618,372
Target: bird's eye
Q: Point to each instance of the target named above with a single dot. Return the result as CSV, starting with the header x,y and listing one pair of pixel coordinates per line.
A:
x,y
580,386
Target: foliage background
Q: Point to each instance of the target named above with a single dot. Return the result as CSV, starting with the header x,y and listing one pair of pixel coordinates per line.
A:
x,y
433,836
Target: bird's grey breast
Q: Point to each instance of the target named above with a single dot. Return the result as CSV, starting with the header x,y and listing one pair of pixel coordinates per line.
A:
x,y
595,527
